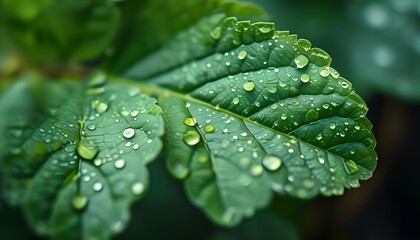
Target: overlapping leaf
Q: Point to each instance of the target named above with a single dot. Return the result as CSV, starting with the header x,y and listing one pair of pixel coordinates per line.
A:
x,y
249,111
75,155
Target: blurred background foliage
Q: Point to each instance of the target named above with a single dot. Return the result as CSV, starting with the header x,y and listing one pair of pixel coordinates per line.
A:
x,y
374,43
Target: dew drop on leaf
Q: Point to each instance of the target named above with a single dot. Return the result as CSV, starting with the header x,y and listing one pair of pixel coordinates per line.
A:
x,y
91,127
190,121
235,100
209,128
137,188
324,72
305,77
242,54
119,163
249,86
79,202
351,166
134,113
97,187
332,125
301,61
256,170
101,107
271,162
192,138
129,133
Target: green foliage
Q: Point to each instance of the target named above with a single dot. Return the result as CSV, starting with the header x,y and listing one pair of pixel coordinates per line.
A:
x,y
248,110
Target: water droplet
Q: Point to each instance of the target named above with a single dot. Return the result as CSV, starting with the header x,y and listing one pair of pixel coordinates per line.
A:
x,y
334,73
351,166
305,77
91,127
256,170
290,150
137,188
242,54
190,121
216,33
357,127
271,162
209,128
304,43
85,152
324,72
129,133
321,160
325,105
227,64
332,125
79,202
101,107
98,186
283,116
192,138
97,162
134,113
249,86
344,84
235,100
301,61
119,163
265,29
319,136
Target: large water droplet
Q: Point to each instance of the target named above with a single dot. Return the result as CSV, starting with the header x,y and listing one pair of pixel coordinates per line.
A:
x,y
129,133
91,127
324,72
301,61
137,188
271,162
192,138
79,202
190,121
119,163
249,86
304,43
242,54
85,152
101,107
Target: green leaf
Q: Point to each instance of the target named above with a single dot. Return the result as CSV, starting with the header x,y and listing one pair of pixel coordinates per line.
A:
x,y
250,111
77,153
48,31
160,21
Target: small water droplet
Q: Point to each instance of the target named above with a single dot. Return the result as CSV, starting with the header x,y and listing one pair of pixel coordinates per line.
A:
x,y
79,202
190,121
235,100
91,127
332,125
249,86
271,162
137,188
301,61
290,150
321,160
227,64
334,73
305,77
325,105
319,136
283,116
129,133
242,54
304,43
97,186
209,128
119,163
134,113
135,146
192,138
